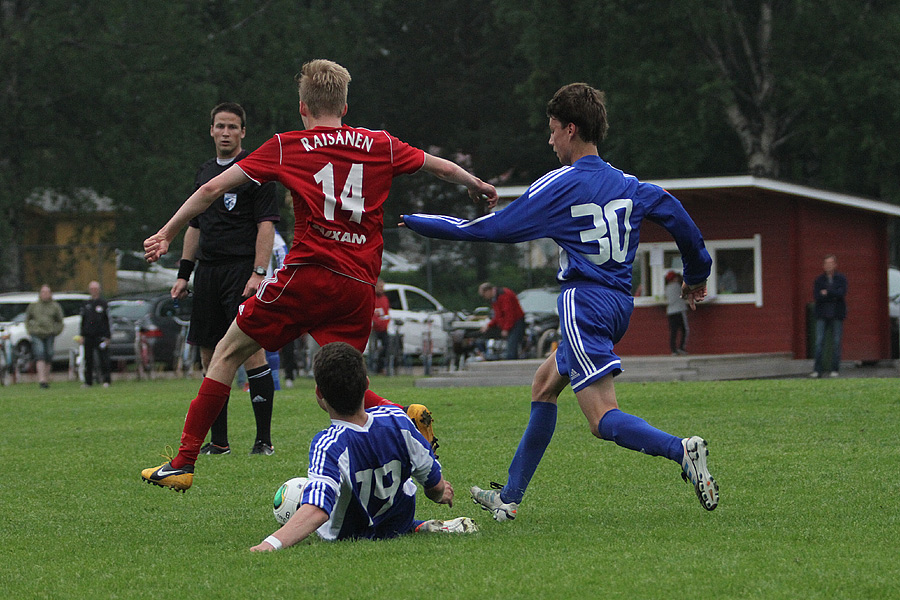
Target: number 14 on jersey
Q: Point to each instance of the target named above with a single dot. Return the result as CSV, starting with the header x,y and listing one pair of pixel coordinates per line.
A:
x,y
352,199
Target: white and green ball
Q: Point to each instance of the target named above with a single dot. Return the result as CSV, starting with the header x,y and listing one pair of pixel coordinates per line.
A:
x,y
287,498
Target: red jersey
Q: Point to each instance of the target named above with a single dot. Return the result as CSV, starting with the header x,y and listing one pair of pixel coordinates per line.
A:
x,y
339,178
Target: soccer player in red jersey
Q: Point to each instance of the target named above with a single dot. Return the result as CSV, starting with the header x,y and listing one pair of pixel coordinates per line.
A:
x,y
339,178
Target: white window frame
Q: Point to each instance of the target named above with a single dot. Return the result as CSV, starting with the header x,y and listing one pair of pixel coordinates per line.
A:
x,y
658,272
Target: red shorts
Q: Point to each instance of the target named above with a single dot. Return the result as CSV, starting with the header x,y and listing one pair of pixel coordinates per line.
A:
x,y
308,299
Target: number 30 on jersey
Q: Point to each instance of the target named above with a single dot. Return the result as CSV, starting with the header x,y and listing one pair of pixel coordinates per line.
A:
x,y
606,229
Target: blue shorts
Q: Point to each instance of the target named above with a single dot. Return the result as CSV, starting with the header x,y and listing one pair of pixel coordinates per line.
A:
x,y
592,319
42,348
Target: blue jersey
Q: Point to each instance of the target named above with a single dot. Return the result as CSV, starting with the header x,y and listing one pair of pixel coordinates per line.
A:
x,y
593,212
363,476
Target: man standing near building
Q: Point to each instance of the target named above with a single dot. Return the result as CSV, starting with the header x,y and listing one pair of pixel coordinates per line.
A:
x,y
676,312
829,291
231,241
95,334
508,316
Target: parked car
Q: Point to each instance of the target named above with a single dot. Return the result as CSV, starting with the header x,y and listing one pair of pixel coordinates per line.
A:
x,y
155,316
541,327
134,274
414,311
541,320
12,316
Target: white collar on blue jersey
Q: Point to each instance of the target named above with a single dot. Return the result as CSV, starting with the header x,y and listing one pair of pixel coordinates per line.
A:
x,y
354,426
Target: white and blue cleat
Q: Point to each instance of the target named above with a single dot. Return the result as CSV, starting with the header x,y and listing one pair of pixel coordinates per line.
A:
x,y
695,471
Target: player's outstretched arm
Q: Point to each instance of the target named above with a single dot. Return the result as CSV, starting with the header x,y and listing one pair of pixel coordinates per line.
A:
x,y
442,493
452,172
158,244
299,526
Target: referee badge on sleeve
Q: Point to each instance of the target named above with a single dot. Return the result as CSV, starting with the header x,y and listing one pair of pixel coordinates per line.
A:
x,y
230,200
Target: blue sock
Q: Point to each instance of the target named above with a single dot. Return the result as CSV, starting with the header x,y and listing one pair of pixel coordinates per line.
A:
x,y
531,448
635,433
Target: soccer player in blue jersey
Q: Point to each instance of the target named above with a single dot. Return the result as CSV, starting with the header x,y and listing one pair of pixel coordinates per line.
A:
x,y
361,469
594,213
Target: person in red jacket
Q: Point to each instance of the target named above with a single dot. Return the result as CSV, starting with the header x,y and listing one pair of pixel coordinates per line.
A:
x,y
508,316
380,321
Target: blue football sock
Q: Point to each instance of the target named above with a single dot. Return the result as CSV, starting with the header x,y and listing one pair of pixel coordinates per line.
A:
x,y
635,433
531,448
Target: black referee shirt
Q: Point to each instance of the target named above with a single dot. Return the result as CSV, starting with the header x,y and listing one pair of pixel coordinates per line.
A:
x,y
228,227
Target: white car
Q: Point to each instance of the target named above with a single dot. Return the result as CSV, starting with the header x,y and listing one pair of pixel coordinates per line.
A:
x,y
414,311
12,318
134,274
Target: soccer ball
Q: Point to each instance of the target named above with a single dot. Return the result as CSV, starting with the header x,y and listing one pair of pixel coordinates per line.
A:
x,y
287,498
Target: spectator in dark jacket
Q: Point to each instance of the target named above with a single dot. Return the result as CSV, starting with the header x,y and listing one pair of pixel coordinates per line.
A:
x,y
95,334
508,316
829,291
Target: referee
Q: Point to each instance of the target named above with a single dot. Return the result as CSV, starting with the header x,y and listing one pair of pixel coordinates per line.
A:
x,y
230,243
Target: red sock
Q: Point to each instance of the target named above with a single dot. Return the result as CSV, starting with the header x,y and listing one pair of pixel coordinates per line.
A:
x,y
203,411
372,399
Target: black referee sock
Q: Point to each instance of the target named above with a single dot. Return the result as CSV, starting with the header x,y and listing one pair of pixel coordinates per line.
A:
x,y
218,433
262,397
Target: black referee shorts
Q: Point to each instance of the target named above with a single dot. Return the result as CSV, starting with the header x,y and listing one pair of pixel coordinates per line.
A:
x,y
217,295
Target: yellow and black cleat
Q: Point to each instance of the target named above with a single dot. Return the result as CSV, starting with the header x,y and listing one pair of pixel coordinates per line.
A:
x,y
421,416
166,475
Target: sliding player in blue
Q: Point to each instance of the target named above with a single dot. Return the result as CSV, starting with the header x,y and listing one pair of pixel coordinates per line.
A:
x,y
594,213
362,468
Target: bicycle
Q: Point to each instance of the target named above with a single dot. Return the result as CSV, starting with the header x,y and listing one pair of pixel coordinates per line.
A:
x,y
6,358
184,352
143,351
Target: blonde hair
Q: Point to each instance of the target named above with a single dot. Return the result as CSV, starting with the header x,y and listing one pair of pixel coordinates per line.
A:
x,y
322,85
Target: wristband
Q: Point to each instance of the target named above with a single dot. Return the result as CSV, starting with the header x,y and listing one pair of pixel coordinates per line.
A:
x,y
185,268
274,541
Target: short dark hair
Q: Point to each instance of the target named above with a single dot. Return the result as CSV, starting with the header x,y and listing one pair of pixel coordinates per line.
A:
x,y
340,374
582,105
230,107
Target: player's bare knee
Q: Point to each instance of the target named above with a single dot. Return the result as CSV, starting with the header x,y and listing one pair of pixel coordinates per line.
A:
x,y
543,394
546,386
256,360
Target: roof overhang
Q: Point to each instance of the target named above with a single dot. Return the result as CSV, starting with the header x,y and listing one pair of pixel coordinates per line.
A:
x,y
748,183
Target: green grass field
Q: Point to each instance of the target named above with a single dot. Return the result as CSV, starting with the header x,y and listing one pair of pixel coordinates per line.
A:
x,y
808,471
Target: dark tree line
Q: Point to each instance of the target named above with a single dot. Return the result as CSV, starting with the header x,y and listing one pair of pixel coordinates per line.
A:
x,y
114,96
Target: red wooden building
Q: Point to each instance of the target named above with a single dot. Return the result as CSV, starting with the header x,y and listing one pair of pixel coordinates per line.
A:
x,y
767,240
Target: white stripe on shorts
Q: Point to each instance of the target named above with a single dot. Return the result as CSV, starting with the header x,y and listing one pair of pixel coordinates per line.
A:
x,y
573,335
